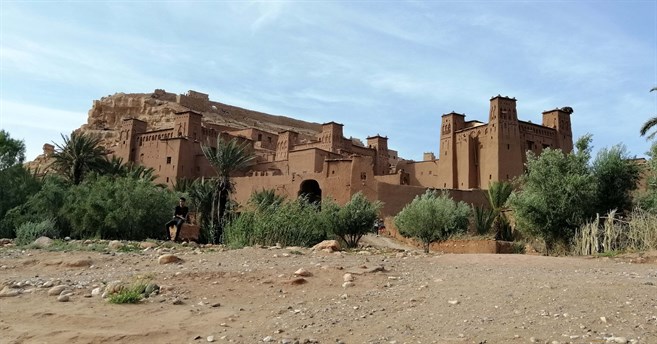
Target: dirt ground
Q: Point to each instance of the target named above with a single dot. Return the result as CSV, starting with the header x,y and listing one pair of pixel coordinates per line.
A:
x,y
397,296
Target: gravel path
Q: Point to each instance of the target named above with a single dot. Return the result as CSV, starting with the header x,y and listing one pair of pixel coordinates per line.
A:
x,y
375,295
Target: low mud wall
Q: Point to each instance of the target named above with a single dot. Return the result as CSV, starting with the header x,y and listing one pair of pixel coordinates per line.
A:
x,y
451,246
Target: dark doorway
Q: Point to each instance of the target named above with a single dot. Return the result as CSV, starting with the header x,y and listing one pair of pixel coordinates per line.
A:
x,y
310,189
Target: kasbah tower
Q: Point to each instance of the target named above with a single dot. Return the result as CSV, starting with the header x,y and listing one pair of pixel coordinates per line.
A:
x,y
471,155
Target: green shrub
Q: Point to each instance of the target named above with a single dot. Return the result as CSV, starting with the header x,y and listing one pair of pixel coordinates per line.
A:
x,y
353,220
266,198
557,195
133,294
432,217
518,248
44,204
483,219
118,208
30,231
294,223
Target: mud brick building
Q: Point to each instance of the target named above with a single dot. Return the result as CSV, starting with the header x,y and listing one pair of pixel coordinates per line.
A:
x,y
471,155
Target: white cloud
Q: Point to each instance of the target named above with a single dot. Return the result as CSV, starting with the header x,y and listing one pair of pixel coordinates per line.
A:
x,y
268,13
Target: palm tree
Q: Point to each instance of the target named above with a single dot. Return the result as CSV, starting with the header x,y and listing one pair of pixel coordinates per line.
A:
x,y
79,155
265,199
498,195
116,168
650,123
228,157
201,193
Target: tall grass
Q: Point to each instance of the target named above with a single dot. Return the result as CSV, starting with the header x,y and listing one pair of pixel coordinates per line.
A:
x,y
294,223
30,231
611,234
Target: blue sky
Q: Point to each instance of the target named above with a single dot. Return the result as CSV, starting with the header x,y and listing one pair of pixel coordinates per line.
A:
x,y
379,67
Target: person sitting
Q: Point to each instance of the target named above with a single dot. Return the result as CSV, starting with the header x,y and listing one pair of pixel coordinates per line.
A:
x,y
179,217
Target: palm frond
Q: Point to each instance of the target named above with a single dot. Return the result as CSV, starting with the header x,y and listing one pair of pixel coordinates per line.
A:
x,y
649,124
79,154
498,194
229,156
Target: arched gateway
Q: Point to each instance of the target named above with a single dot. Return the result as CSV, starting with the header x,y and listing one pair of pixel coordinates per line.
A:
x,y
310,189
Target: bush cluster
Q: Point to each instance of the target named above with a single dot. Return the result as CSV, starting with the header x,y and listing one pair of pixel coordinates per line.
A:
x,y
302,223
432,217
118,208
30,231
295,223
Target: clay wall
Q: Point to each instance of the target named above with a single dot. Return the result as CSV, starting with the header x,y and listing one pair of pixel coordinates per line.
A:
x,y
307,160
262,139
160,154
535,138
193,101
424,173
395,179
164,95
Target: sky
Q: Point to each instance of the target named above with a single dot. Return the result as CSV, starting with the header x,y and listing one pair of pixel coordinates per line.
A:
x,y
378,67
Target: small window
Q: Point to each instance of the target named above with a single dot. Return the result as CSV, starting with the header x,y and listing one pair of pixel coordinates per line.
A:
x,y
259,137
269,139
168,160
508,146
429,172
490,176
363,176
167,179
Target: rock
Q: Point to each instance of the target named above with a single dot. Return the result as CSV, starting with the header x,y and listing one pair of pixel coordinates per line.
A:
x,y
348,277
78,263
331,245
268,339
453,302
113,287
151,288
168,259
48,284
63,298
177,302
56,290
210,339
603,319
8,292
43,242
621,340
297,281
5,241
96,291
303,273
348,284
115,245
147,244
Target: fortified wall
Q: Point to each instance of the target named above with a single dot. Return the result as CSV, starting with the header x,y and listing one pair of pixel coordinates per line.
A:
x,y
471,154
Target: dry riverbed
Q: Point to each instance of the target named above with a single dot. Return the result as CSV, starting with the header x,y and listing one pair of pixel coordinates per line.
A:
x,y
370,295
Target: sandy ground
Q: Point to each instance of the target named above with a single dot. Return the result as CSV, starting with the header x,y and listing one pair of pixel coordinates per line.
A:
x,y
245,296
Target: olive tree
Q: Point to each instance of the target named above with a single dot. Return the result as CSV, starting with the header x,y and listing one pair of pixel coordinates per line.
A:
x,y
355,219
432,217
557,194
